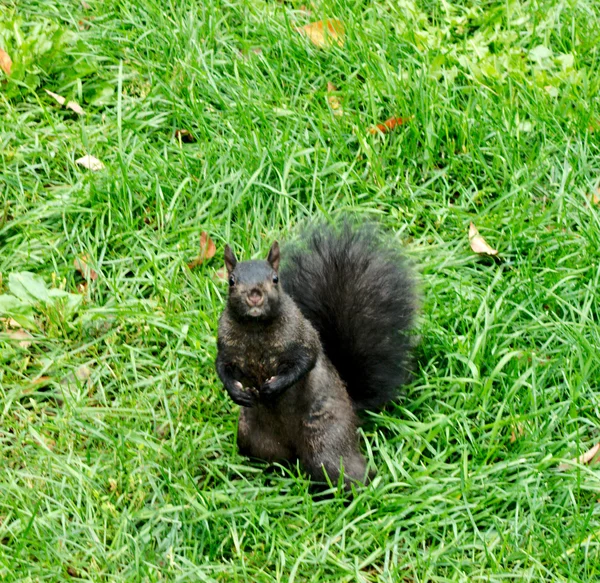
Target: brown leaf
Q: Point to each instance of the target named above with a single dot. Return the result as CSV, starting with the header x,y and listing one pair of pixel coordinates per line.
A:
x,y
85,5
324,33
596,196
184,136
43,380
81,265
90,162
388,125
333,100
516,432
22,336
589,457
478,243
5,61
207,250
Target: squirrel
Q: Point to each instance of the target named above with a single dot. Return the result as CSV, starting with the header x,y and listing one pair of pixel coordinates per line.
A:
x,y
303,348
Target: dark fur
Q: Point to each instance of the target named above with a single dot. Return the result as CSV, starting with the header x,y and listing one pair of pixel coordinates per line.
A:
x,y
359,295
352,306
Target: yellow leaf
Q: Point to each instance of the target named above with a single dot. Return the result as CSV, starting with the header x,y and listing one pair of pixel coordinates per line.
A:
x,y
90,163
5,61
324,33
478,243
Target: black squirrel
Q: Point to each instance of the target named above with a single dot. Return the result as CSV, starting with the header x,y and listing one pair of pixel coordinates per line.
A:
x,y
302,348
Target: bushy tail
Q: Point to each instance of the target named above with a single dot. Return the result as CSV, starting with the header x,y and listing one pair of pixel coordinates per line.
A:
x,y
358,293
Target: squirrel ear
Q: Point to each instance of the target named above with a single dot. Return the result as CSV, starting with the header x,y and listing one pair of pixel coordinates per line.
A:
x,y
273,258
230,259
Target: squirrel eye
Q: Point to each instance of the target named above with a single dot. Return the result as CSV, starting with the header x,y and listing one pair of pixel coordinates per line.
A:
x,y
231,281
275,278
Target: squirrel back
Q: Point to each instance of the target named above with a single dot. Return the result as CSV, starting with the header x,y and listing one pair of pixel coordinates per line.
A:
x,y
358,293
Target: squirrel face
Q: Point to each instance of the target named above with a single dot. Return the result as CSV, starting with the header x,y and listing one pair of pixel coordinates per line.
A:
x,y
254,291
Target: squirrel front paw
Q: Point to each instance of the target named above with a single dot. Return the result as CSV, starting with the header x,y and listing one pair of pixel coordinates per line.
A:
x,y
273,386
244,398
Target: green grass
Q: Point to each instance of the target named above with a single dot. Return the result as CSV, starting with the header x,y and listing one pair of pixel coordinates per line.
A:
x,y
133,474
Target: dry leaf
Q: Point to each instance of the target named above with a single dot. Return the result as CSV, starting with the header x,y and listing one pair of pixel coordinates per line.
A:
x,y
589,457
478,243
596,196
5,61
83,373
22,335
388,125
221,274
85,5
207,250
56,96
185,136
333,100
516,432
324,33
81,265
10,323
90,163
43,380
74,106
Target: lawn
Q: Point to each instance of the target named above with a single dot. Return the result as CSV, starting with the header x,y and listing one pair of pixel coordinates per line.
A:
x,y
118,460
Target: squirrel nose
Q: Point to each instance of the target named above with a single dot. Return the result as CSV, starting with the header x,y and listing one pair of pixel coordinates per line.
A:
x,y
255,297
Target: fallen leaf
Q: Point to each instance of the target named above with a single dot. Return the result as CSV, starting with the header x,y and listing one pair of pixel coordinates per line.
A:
x,y
83,373
81,265
207,250
85,5
324,33
221,274
74,106
56,96
43,380
388,125
5,62
10,323
596,196
516,432
184,136
90,163
478,243
22,336
333,100
589,457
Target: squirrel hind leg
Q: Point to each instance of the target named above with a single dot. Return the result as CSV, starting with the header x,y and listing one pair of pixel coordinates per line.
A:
x,y
333,458
255,440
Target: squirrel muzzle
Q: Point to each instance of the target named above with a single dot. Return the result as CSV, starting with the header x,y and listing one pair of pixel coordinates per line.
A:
x,y
255,298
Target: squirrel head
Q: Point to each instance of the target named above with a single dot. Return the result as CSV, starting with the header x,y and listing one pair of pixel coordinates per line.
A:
x,y
254,290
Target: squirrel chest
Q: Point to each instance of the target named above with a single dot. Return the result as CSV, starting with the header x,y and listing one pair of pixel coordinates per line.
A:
x,y
256,358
